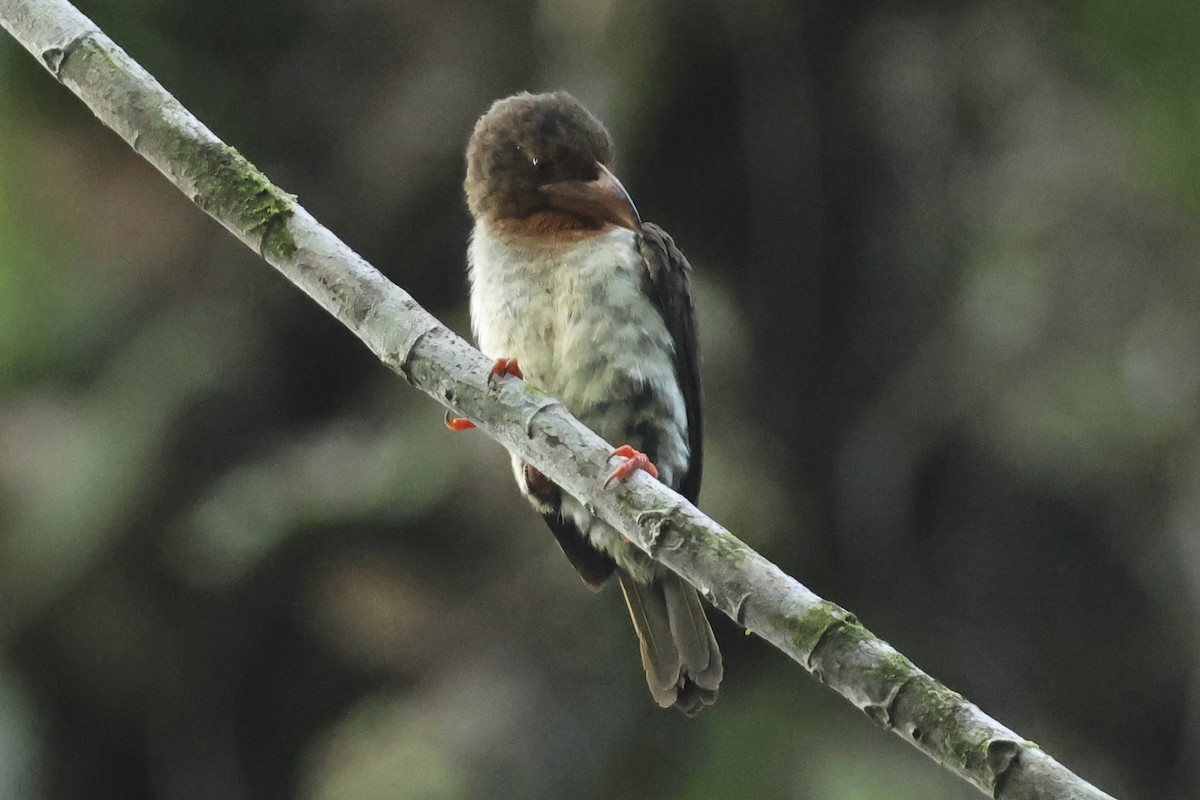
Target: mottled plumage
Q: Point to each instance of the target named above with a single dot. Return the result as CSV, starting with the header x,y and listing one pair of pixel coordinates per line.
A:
x,y
597,309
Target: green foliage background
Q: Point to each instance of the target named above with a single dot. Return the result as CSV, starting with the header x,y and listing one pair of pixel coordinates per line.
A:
x,y
947,264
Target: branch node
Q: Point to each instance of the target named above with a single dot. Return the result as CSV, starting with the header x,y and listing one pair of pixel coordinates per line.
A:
x,y
55,57
269,229
656,524
543,404
837,624
884,713
403,365
877,713
737,609
894,693
1002,756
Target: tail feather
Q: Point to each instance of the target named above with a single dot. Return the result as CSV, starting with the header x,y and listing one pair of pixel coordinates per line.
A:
x,y
679,652
659,656
698,651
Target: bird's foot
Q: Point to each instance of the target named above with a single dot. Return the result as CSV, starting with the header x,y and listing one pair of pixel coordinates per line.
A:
x,y
501,369
458,423
634,460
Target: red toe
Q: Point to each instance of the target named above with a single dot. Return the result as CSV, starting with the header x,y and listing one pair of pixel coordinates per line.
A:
x,y
458,423
634,461
503,368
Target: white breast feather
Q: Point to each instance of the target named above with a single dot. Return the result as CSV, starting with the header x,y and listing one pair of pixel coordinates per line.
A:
x,y
577,324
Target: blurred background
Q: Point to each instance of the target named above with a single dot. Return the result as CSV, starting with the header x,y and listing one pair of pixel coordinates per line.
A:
x,y
946,258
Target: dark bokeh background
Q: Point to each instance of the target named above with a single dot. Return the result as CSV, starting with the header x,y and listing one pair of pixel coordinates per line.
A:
x,y
947,265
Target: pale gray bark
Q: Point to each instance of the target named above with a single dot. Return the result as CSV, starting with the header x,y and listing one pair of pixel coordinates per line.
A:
x,y
824,638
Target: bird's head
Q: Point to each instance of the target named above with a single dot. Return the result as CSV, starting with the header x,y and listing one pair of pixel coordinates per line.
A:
x,y
544,153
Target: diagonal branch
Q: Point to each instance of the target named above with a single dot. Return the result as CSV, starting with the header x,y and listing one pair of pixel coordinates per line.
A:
x,y
824,638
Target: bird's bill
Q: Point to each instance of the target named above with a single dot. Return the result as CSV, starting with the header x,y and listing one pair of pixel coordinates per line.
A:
x,y
603,200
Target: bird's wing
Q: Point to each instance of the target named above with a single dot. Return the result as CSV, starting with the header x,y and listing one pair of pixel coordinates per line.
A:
x,y
594,566
669,275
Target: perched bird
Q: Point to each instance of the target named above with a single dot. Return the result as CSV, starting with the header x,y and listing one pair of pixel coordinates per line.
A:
x,y
570,290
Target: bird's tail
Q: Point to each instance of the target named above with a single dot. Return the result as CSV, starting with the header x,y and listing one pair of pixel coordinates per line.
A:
x,y
679,651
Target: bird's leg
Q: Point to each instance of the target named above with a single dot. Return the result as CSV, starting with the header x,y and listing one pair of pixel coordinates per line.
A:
x,y
539,485
502,368
634,460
